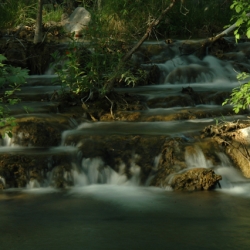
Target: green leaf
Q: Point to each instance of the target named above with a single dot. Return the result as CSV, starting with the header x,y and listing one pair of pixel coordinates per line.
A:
x,y
239,21
238,8
248,33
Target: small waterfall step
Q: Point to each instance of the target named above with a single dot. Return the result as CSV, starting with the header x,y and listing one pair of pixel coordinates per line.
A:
x,y
43,106
41,80
157,128
38,151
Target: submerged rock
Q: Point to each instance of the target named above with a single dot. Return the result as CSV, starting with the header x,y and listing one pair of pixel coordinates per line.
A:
x,y
195,179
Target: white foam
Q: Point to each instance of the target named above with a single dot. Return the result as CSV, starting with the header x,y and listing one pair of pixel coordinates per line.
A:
x,y
126,197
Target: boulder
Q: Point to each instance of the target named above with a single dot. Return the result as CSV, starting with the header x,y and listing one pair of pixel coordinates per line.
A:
x,y
238,149
234,137
77,22
195,179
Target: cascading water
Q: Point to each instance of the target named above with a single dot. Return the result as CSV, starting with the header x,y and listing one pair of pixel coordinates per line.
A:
x,y
106,169
178,71
232,181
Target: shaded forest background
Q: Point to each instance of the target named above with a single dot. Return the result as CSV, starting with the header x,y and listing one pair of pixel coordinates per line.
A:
x,y
127,19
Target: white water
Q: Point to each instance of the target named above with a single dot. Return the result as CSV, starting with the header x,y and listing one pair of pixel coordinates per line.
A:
x,y
233,181
95,177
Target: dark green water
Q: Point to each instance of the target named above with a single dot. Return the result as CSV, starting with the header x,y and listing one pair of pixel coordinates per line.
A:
x,y
118,217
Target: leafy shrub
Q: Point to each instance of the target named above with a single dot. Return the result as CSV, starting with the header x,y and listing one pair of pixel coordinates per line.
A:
x,y
240,97
11,78
14,12
241,18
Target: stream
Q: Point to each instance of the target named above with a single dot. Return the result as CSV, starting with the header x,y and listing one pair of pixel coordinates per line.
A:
x,y
107,201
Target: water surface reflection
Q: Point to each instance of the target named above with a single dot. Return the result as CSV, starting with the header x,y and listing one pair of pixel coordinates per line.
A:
x,y
123,217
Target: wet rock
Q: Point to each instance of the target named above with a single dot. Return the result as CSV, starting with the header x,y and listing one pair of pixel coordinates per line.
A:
x,y
62,176
15,169
181,154
237,148
19,169
154,75
172,160
234,139
195,179
44,131
37,134
171,101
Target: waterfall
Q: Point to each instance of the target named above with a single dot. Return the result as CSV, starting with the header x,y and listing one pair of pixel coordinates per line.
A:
x,y
197,159
232,181
86,153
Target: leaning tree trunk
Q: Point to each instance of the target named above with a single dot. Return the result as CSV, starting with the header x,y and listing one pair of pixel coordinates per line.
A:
x,y
38,30
209,42
110,85
225,32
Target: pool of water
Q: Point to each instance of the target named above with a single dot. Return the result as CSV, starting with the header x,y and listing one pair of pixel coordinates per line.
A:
x,y
123,217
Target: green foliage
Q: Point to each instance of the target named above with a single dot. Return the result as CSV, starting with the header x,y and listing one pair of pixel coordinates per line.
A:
x,y
220,120
128,20
80,70
204,18
241,18
133,78
124,19
240,96
14,12
11,78
68,70
52,14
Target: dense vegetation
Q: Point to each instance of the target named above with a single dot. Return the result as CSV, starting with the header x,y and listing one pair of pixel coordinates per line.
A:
x,y
128,18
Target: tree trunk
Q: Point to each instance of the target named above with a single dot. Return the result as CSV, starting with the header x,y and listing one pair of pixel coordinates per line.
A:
x,y
38,30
